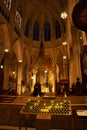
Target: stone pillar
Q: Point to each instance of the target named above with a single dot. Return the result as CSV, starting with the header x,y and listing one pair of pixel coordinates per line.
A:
x,y
19,77
65,62
76,56
54,78
31,81
34,78
65,68
6,71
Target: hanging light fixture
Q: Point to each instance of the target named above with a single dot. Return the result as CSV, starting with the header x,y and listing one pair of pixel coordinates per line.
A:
x,y
64,15
64,43
6,50
1,66
64,57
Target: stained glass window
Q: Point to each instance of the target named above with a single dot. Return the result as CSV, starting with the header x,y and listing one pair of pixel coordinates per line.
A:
x,y
36,32
64,27
57,30
26,32
47,32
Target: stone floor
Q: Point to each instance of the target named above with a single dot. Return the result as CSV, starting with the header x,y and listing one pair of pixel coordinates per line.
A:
x,y
14,128
22,128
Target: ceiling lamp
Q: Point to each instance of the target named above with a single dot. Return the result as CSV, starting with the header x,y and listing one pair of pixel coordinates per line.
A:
x,y
13,72
64,15
20,61
64,57
45,71
64,43
1,66
6,50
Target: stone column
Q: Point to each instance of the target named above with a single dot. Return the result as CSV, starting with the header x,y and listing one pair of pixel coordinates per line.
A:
x,y
6,71
54,74
34,78
76,55
19,77
65,68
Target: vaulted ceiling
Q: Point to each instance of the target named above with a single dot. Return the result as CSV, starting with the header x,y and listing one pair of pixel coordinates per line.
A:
x,y
42,11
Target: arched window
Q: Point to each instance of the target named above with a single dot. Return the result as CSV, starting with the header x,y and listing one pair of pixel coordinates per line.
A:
x,y
36,32
57,30
47,32
64,27
7,3
26,32
18,18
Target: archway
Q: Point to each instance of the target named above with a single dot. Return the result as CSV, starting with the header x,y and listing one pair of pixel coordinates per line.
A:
x,y
43,72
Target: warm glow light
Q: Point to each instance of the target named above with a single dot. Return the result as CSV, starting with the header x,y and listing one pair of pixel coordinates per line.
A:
x,y
1,66
63,15
64,43
45,71
13,72
81,37
20,61
6,50
32,77
64,57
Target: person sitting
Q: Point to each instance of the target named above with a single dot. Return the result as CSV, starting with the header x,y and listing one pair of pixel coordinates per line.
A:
x,y
78,85
37,89
35,92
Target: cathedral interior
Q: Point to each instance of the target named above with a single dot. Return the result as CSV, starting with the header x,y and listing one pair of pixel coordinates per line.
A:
x,y
43,54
